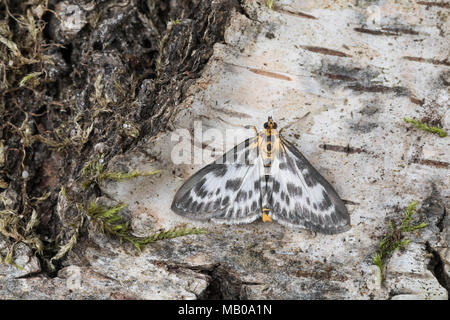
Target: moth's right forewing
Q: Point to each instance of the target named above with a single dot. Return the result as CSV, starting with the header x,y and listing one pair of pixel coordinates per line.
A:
x,y
300,196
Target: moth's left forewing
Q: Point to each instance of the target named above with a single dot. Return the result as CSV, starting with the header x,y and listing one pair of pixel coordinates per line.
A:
x,y
224,190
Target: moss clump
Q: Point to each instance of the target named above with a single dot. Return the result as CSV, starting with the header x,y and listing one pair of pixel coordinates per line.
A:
x,y
9,258
269,4
110,222
419,125
94,172
395,239
13,227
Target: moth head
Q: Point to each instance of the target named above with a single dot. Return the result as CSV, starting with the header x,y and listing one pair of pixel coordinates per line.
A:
x,y
270,124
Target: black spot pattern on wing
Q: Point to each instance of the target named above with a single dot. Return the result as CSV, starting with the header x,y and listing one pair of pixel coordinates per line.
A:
x,y
202,192
225,201
216,204
223,190
241,196
300,165
233,184
297,202
221,171
275,186
199,185
309,179
294,190
326,202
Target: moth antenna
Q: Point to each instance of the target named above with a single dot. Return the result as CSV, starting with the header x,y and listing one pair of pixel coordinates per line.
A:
x,y
293,122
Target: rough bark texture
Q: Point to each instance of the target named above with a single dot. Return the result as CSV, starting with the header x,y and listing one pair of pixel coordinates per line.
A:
x,y
129,74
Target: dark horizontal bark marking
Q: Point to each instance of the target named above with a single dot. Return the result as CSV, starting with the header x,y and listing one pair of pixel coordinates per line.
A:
x,y
339,77
416,100
401,30
379,88
433,61
347,149
434,4
433,163
270,74
387,31
293,13
375,32
320,275
326,51
232,113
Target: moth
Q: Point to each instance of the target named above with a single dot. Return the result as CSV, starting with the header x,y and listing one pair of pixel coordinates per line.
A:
x,y
264,176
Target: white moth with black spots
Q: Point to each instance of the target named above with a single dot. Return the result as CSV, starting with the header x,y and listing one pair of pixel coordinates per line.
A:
x,y
263,176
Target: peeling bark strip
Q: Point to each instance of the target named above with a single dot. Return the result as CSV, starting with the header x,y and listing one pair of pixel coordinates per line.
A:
x,y
270,74
346,149
295,14
432,163
382,89
387,31
327,51
434,4
433,61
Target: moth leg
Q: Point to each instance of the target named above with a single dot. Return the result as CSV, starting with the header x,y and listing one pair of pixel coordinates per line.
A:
x,y
265,216
256,130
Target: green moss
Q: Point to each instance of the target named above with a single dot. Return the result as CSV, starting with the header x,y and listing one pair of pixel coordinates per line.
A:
x,y
9,258
406,222
269,4
417,124
12,227
175,22
395,239
94,172
28,78
110,222
20,49
119,176
65,248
